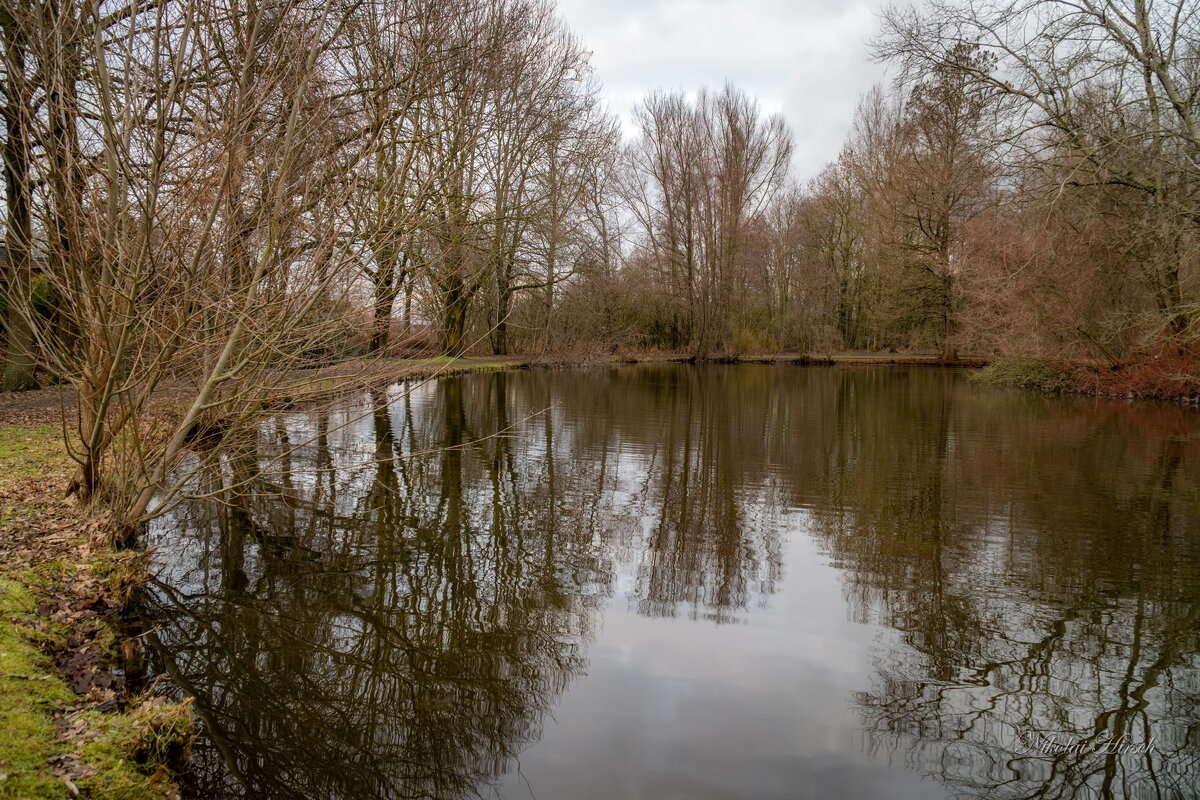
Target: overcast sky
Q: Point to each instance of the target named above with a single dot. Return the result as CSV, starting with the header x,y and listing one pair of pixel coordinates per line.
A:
x,y
806,59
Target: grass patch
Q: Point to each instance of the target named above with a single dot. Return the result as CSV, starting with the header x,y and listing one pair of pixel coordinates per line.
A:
x,y
450,365
130,749
31,451
1029,373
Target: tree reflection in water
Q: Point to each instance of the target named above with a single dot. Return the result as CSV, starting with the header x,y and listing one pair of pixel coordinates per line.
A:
x,y
1047,640
356,621
357,626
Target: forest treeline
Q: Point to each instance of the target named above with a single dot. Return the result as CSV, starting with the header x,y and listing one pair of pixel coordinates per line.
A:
x,y
209,193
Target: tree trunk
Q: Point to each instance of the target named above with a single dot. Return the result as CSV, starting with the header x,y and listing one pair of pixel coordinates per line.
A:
x,y
386,291
454,320
18,277
949,349
1177,319
500,338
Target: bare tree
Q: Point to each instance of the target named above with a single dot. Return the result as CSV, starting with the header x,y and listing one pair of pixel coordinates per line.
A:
x,y
703,177
191,165
462,121
940,180
391,63
1112,82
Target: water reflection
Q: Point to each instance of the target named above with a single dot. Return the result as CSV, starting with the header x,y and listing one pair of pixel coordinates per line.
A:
x,y
360,626
1050,634
356,620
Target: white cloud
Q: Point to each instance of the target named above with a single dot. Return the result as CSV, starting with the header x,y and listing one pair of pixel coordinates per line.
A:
x,y
806,59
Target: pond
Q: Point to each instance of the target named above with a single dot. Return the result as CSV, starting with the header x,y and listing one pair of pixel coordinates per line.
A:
x,y
673,581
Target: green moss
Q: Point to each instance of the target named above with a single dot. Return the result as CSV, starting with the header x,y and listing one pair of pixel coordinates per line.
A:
x,y
19,590
122,752
29,694
131,749
117,756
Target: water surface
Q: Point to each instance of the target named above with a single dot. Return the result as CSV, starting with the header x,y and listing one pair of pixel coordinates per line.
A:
x,y
670,582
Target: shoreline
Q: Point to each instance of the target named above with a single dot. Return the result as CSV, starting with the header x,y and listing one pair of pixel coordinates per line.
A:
x,y
1167,380
46,406
815,360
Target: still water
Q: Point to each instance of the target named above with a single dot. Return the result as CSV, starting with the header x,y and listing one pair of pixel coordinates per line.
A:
x,y
669,582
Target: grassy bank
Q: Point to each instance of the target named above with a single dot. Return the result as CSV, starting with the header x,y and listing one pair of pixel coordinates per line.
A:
x,y
1173,377
68,726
